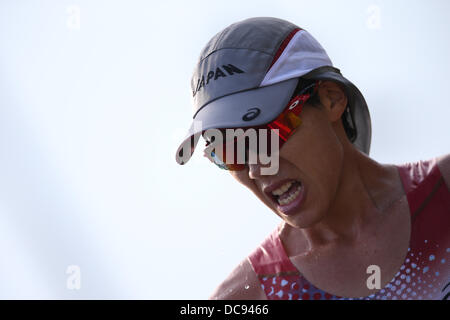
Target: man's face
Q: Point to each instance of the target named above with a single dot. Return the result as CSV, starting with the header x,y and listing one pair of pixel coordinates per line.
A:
x,y
312,160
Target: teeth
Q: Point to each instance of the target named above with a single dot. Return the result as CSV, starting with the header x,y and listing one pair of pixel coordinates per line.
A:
x,y
290,198
285,187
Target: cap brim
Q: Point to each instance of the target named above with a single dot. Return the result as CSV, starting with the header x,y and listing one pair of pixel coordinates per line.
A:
x,y
243,109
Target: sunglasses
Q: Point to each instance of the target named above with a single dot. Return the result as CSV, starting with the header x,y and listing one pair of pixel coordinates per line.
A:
x,y
284,126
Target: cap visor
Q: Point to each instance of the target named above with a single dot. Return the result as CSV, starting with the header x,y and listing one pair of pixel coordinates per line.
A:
x,y
243,109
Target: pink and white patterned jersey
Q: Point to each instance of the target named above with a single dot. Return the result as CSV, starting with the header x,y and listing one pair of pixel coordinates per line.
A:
x,y
425,273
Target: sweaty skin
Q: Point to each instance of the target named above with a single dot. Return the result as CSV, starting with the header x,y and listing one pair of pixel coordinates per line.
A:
x,y
355,212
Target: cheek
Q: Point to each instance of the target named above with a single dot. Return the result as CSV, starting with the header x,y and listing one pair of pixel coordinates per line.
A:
x,y
318,154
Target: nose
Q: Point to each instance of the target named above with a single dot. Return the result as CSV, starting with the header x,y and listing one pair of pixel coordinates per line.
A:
x,y
254,170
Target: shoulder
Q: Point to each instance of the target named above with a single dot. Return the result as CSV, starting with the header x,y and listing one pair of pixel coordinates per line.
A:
x,y
416,173
443,162
241,284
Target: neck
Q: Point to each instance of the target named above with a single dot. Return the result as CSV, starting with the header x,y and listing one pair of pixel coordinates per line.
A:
x,y
365,191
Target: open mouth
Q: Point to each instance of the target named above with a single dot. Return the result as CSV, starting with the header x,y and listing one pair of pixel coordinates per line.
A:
x,y
287,193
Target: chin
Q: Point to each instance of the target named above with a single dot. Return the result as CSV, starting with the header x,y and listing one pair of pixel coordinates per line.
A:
x,y
305,219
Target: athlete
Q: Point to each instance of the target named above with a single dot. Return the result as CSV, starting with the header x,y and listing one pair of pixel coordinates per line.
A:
x,y
350,227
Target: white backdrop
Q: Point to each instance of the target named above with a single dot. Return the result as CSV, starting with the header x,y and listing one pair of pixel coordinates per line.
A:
x,y
94,97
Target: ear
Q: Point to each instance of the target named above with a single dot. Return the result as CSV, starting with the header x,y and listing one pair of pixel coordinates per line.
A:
x,y
333,98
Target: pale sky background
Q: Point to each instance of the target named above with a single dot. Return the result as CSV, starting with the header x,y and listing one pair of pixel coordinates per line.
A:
x,y
94,97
